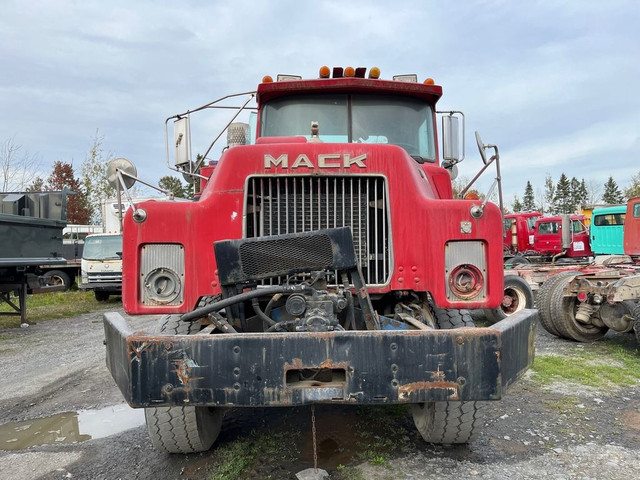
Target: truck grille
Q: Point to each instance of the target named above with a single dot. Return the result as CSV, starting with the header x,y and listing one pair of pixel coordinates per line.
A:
x,y
295,204
104,277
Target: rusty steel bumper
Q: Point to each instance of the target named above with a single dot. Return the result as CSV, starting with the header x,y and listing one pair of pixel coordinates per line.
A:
x,y
283,369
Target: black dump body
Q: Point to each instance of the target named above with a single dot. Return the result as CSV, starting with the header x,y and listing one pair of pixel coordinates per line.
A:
x,y
31,225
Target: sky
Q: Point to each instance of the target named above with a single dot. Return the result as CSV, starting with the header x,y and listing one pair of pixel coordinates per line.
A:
x,y
554,84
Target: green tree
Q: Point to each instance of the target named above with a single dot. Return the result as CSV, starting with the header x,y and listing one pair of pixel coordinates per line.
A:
x,y
578,193
612,194
79,209
173,185
562,201
549,193
516,205
633,190
93,172
528,200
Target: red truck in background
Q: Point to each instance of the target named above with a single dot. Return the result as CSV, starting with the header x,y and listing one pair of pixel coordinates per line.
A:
x,y
531,237
325,260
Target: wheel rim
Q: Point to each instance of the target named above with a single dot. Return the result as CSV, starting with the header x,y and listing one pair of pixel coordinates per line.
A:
x,y
513,301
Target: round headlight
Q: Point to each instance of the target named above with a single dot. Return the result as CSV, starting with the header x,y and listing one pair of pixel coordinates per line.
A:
x,y
162,285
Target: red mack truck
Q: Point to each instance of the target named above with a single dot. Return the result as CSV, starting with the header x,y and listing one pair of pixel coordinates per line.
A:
x,y
326,260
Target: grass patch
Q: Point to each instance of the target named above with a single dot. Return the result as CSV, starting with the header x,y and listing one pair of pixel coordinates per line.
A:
x,y
348,473
603,365
237,457
50,306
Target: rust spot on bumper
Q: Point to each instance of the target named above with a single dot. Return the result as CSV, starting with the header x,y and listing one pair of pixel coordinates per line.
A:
x,y
405,391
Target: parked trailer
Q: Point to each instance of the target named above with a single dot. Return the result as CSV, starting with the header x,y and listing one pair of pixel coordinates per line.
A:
x,y
31,225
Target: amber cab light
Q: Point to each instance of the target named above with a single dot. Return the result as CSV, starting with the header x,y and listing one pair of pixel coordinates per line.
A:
x,y
325,72
429,81
374,73
267,79
349,72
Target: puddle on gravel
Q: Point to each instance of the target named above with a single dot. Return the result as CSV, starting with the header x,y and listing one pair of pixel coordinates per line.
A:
x,y
70,427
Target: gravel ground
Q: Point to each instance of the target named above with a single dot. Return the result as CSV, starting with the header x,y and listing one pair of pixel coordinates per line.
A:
x,y
561,431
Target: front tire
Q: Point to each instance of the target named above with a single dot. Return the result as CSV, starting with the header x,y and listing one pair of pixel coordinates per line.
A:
x,y
448,422
101,296
182,429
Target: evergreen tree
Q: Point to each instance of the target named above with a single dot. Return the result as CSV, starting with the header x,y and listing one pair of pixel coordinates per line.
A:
x,y
549,194
516,205
612,194
528,201
79,209
578,193
562,201
173,185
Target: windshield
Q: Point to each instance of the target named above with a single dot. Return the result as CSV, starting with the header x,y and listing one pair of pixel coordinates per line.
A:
x,y
103,248
403,121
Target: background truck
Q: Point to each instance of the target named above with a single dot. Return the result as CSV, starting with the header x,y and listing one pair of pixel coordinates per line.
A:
x,y
326,260
607,230
101,264
31,225
583,304
531,238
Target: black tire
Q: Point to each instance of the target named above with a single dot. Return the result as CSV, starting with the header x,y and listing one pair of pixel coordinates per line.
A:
x,y
519,295
517,260
101,296
563,312
57,278
448,422
543,301
182,429
636,322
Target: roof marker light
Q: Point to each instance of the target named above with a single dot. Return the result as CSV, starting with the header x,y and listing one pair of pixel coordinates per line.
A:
x,y
284,78
429,81
349,72
325,72
267,79
406,78
374,73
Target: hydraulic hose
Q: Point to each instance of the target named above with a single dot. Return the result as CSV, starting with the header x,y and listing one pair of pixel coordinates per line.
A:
x,y
214,307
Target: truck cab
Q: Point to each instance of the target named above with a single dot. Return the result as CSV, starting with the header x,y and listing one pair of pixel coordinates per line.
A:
x,y
607,230
101,269
519,230
567,236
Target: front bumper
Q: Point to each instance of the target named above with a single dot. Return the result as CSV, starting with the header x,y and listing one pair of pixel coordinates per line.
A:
x,y
114,287
262,369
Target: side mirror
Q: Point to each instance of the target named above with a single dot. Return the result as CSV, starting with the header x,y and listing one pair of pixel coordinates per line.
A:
x,y
182,140
481,148
450,139
126,167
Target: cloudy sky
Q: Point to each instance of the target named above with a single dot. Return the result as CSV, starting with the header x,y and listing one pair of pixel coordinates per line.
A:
x,y
554,84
